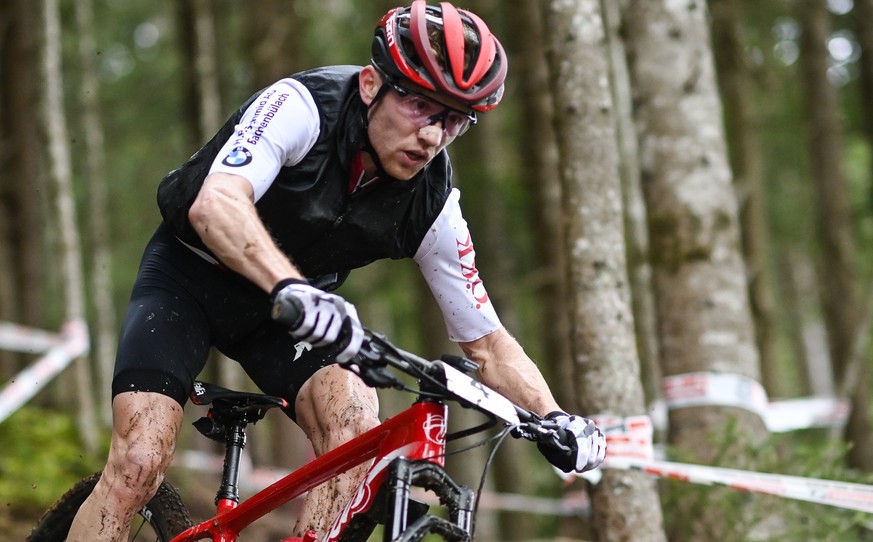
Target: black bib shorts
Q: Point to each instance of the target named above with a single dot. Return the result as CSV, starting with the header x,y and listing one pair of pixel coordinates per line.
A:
x,y
182,306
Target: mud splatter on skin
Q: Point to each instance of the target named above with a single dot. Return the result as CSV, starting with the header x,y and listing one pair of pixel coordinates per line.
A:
x,y
143,442
333,407
104,519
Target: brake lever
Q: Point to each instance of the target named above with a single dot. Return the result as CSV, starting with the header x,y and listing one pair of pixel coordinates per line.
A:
x,y
375,377
537,429
370,366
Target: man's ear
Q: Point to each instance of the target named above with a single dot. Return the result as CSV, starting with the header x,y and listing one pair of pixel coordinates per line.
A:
x,y
369,82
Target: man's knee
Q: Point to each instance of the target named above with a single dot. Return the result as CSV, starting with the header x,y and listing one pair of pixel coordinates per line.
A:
x,y
351,421
143,441
133,477
334,407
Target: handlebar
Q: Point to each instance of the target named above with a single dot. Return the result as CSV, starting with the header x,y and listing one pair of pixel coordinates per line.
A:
x,y
447,378
287,311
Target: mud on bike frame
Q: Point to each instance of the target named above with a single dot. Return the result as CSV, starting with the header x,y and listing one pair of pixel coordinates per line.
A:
x,y
407,451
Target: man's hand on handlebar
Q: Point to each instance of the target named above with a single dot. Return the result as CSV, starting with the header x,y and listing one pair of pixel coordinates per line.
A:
x,y
580,446
318,317
570,443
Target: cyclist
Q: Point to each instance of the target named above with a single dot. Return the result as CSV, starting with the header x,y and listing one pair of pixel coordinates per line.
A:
x,y
320,173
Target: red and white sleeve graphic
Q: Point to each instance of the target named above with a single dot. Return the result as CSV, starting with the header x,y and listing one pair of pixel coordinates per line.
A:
x,y
447,260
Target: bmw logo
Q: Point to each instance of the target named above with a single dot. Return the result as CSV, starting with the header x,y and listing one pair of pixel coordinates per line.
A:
x,y
237,157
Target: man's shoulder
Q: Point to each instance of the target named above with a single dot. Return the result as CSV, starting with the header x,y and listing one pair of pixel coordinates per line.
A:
x,y
332,88
326,75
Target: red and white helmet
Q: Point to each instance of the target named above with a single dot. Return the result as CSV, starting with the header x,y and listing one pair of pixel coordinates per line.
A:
x,y
468,66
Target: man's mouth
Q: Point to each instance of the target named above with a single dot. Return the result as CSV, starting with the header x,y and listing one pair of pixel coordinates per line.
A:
x,y
417,156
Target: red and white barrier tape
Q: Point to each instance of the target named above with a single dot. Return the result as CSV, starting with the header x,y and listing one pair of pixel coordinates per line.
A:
x,y
806,412
830,492
734,390
784,415
709,388
71,343
629,447
627,437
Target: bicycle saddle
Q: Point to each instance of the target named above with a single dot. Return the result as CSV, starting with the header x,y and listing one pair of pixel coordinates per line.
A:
x,y
205,394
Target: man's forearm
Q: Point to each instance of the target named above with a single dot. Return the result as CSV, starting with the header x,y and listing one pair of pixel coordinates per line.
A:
x,y
226,219
506,368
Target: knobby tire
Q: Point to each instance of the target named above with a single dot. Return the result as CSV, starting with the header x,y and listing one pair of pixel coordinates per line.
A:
x,y
165,513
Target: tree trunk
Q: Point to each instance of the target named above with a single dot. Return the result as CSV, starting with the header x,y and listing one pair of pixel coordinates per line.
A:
x,y
202,98
607,373
105,329
273,27
21,182
862,21
746,163
204,64
703,309
862,18
637,235
838,264
792,295
837,274
70,247
540,173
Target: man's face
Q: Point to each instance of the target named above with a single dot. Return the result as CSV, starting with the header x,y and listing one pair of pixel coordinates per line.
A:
x,y
407,130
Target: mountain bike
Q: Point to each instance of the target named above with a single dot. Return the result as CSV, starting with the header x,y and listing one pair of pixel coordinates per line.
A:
x,y
407,451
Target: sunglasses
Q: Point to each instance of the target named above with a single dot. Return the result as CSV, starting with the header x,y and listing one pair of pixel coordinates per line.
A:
x,y
424,111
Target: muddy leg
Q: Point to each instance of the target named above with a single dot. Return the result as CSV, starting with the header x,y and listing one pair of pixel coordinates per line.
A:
x,y
145,426
333,407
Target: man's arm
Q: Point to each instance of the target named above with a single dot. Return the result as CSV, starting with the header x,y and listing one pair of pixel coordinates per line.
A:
x,y
225,218
506,368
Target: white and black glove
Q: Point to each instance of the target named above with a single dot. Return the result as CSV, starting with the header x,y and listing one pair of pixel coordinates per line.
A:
x,y
318,317
580,447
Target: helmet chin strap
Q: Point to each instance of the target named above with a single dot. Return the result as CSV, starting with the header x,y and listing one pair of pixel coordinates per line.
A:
x,y
366,144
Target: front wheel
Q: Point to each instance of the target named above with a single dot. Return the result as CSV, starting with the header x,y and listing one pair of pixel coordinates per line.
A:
x,y
161,519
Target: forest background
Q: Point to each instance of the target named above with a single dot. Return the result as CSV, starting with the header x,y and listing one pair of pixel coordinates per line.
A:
x,y
668,187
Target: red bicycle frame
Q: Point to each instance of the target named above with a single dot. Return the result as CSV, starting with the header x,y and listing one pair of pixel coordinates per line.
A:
x,y
416,433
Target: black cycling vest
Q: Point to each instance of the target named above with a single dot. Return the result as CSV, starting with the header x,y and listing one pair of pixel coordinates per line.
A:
x,y
307,209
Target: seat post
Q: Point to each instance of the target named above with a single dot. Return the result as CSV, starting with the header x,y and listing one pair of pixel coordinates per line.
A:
x,y
235,442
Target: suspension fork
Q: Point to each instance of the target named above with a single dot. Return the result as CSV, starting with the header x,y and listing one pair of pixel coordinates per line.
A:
x,y
403,522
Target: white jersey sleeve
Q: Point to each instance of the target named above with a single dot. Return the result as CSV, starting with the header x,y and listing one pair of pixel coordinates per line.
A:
x,y
279,127
447,260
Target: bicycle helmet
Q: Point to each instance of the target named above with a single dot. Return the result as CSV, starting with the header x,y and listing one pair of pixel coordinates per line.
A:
x,y
443,49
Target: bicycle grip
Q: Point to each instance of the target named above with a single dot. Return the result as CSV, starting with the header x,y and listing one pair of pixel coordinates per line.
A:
x,y
556,436
559,448
287,311
562,437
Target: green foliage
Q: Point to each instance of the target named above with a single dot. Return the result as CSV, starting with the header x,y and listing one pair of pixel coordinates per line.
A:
x,y
40,458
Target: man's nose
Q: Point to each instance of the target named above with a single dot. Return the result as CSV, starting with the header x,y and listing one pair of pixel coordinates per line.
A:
x,y
432,133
